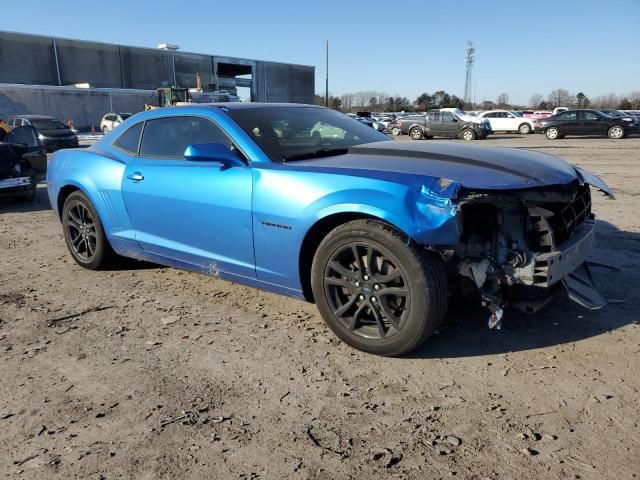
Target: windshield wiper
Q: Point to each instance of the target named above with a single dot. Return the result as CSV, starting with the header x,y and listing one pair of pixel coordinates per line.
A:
x,y
323,152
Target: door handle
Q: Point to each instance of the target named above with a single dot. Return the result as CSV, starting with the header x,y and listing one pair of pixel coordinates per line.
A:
x,y
135,176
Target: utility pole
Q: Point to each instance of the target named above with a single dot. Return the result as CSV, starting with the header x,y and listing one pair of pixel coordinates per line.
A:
x,y
326,86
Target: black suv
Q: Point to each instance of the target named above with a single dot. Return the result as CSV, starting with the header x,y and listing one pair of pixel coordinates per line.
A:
x,y
51,132
443,123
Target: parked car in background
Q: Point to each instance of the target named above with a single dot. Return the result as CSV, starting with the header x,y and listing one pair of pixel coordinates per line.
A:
x,y
52,133
367,121
507,121
620,114
586,122
22,156
538,114
444,123
379,234
395,127
112,120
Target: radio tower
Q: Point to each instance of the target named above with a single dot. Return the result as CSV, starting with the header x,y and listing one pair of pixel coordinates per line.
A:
x,y
469,54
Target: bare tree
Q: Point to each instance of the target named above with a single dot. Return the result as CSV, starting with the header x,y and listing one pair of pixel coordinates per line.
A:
x,y
560,98
606,101
503,100
634,98
535,100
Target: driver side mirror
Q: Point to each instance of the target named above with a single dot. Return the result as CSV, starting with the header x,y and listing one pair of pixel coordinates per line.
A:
x,y
214,152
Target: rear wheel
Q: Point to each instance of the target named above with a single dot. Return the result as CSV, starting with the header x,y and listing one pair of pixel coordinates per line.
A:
x,y
616,132
468,134
524,129
416,133
552,133
105,130
376,290
83,233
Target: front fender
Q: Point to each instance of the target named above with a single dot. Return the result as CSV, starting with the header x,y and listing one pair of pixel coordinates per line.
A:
x,y
287,205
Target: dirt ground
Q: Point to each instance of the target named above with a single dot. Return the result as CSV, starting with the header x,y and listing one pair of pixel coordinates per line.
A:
x,y
148,372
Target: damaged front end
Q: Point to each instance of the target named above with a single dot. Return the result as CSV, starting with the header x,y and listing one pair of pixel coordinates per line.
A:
x,y
522,247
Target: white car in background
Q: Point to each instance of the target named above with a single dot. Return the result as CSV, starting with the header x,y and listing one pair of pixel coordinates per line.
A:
x,y
508,121
112,120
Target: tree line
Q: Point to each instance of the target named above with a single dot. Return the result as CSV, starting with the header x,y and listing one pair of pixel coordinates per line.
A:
x,y
375,101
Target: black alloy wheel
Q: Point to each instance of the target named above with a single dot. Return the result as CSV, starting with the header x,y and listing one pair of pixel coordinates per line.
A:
x,y
366,290
378,291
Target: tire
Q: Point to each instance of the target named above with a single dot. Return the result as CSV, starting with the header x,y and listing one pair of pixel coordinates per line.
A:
x,y
84,235
524,129
351,298
616,132
396,131
416,133
468,134
552,133
105,130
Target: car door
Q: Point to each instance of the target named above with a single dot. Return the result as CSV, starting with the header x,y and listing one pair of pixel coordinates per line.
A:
x,y
591,123
449,125
197,212
511,122
434,123
568,123
496,121
25,141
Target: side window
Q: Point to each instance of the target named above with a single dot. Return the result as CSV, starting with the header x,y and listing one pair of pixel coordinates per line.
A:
x,y
447,116
23,136
567,116
130,139
591,116
435,117
25,122
169,137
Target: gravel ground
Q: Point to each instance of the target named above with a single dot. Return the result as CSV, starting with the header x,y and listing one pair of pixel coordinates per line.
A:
x,y
147,372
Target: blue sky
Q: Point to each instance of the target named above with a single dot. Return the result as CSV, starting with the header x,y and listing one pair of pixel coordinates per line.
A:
x,y
396,47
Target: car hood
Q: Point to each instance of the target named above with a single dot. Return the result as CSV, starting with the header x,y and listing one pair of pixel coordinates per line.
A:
x,y
474,168
56,133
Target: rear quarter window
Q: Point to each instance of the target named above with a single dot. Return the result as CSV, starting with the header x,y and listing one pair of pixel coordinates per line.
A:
x,y
130,139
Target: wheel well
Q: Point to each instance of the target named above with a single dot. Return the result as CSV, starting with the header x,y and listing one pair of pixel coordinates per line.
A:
x,y
312,240
62,196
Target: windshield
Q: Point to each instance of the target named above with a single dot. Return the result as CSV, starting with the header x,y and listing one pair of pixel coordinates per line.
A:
x,y
517,114
613,113
124,116
297,133
47,124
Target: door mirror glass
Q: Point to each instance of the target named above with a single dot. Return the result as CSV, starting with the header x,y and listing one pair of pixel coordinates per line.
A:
x,y
26,136
214,152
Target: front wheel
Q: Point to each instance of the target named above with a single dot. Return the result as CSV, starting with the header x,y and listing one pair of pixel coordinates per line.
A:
x,y
468,134
396,131
376,290
616,132
524,129
105,130
83,233
416,133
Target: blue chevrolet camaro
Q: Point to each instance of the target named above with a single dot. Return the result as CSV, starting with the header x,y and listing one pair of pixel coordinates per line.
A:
x,y
307,202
